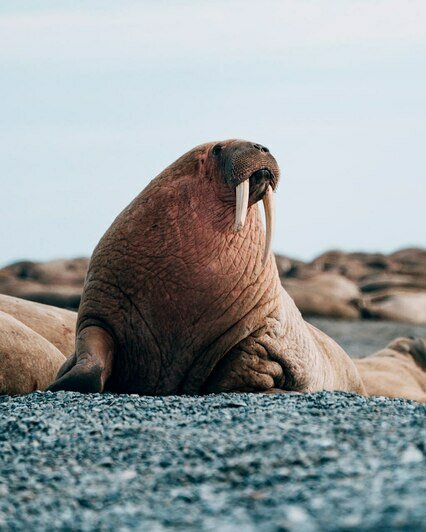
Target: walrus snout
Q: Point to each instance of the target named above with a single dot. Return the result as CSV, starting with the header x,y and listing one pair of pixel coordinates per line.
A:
x,y
261,148
259,181
261,175
243,160
254,173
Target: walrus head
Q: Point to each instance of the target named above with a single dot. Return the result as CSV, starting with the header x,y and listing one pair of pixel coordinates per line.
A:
x,y
252,173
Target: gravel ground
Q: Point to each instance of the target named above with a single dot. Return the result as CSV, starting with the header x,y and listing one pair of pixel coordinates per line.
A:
x,y
310,462
314,462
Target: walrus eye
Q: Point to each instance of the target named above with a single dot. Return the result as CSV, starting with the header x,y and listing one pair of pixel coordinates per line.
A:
x,y
216,150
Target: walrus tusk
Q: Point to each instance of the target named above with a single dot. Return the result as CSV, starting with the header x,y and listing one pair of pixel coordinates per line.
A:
x,y
269,206
242,197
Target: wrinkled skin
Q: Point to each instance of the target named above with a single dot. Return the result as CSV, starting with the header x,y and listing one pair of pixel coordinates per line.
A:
x,y
177,301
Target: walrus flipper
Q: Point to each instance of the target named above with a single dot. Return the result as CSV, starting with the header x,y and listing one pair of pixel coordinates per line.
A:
x,y
79,379
88,369
66,366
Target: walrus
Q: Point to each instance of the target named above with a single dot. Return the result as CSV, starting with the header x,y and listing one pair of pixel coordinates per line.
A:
x,y
56,325
56,282
397,305
35,340
325,294
182,294
399,370
28,361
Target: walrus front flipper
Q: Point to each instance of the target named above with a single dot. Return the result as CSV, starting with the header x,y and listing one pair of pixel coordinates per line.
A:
x,y
88,369
66,366
79,379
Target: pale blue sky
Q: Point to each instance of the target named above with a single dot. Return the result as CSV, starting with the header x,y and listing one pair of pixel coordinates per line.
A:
x,y
95,101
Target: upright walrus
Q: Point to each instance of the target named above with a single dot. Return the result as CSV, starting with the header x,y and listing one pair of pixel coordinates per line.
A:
x,y
183,295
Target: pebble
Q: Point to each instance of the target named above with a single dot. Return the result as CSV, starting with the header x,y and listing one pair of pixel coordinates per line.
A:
x,y
412,455
326,461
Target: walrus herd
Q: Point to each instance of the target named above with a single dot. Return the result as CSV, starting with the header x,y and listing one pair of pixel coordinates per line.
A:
x,y
183,296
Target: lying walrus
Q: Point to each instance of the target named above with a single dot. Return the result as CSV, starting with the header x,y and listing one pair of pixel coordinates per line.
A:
x,y
56,325
183,295
399,370
325,294
56,282
34,342
398,305
28,362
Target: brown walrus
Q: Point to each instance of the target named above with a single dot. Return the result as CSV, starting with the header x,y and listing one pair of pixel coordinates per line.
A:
x,y
183,295
180,296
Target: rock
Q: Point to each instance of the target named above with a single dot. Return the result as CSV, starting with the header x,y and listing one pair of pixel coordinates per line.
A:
x,y
412,455
181,465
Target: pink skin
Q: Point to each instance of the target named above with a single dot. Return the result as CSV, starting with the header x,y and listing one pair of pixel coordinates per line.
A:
x,y
176,301
172,284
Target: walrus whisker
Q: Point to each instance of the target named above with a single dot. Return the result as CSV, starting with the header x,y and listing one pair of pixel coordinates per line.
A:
x,y
242,198
269,206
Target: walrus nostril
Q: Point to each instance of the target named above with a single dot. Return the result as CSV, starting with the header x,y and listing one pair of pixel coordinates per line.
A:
x,y
261,148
